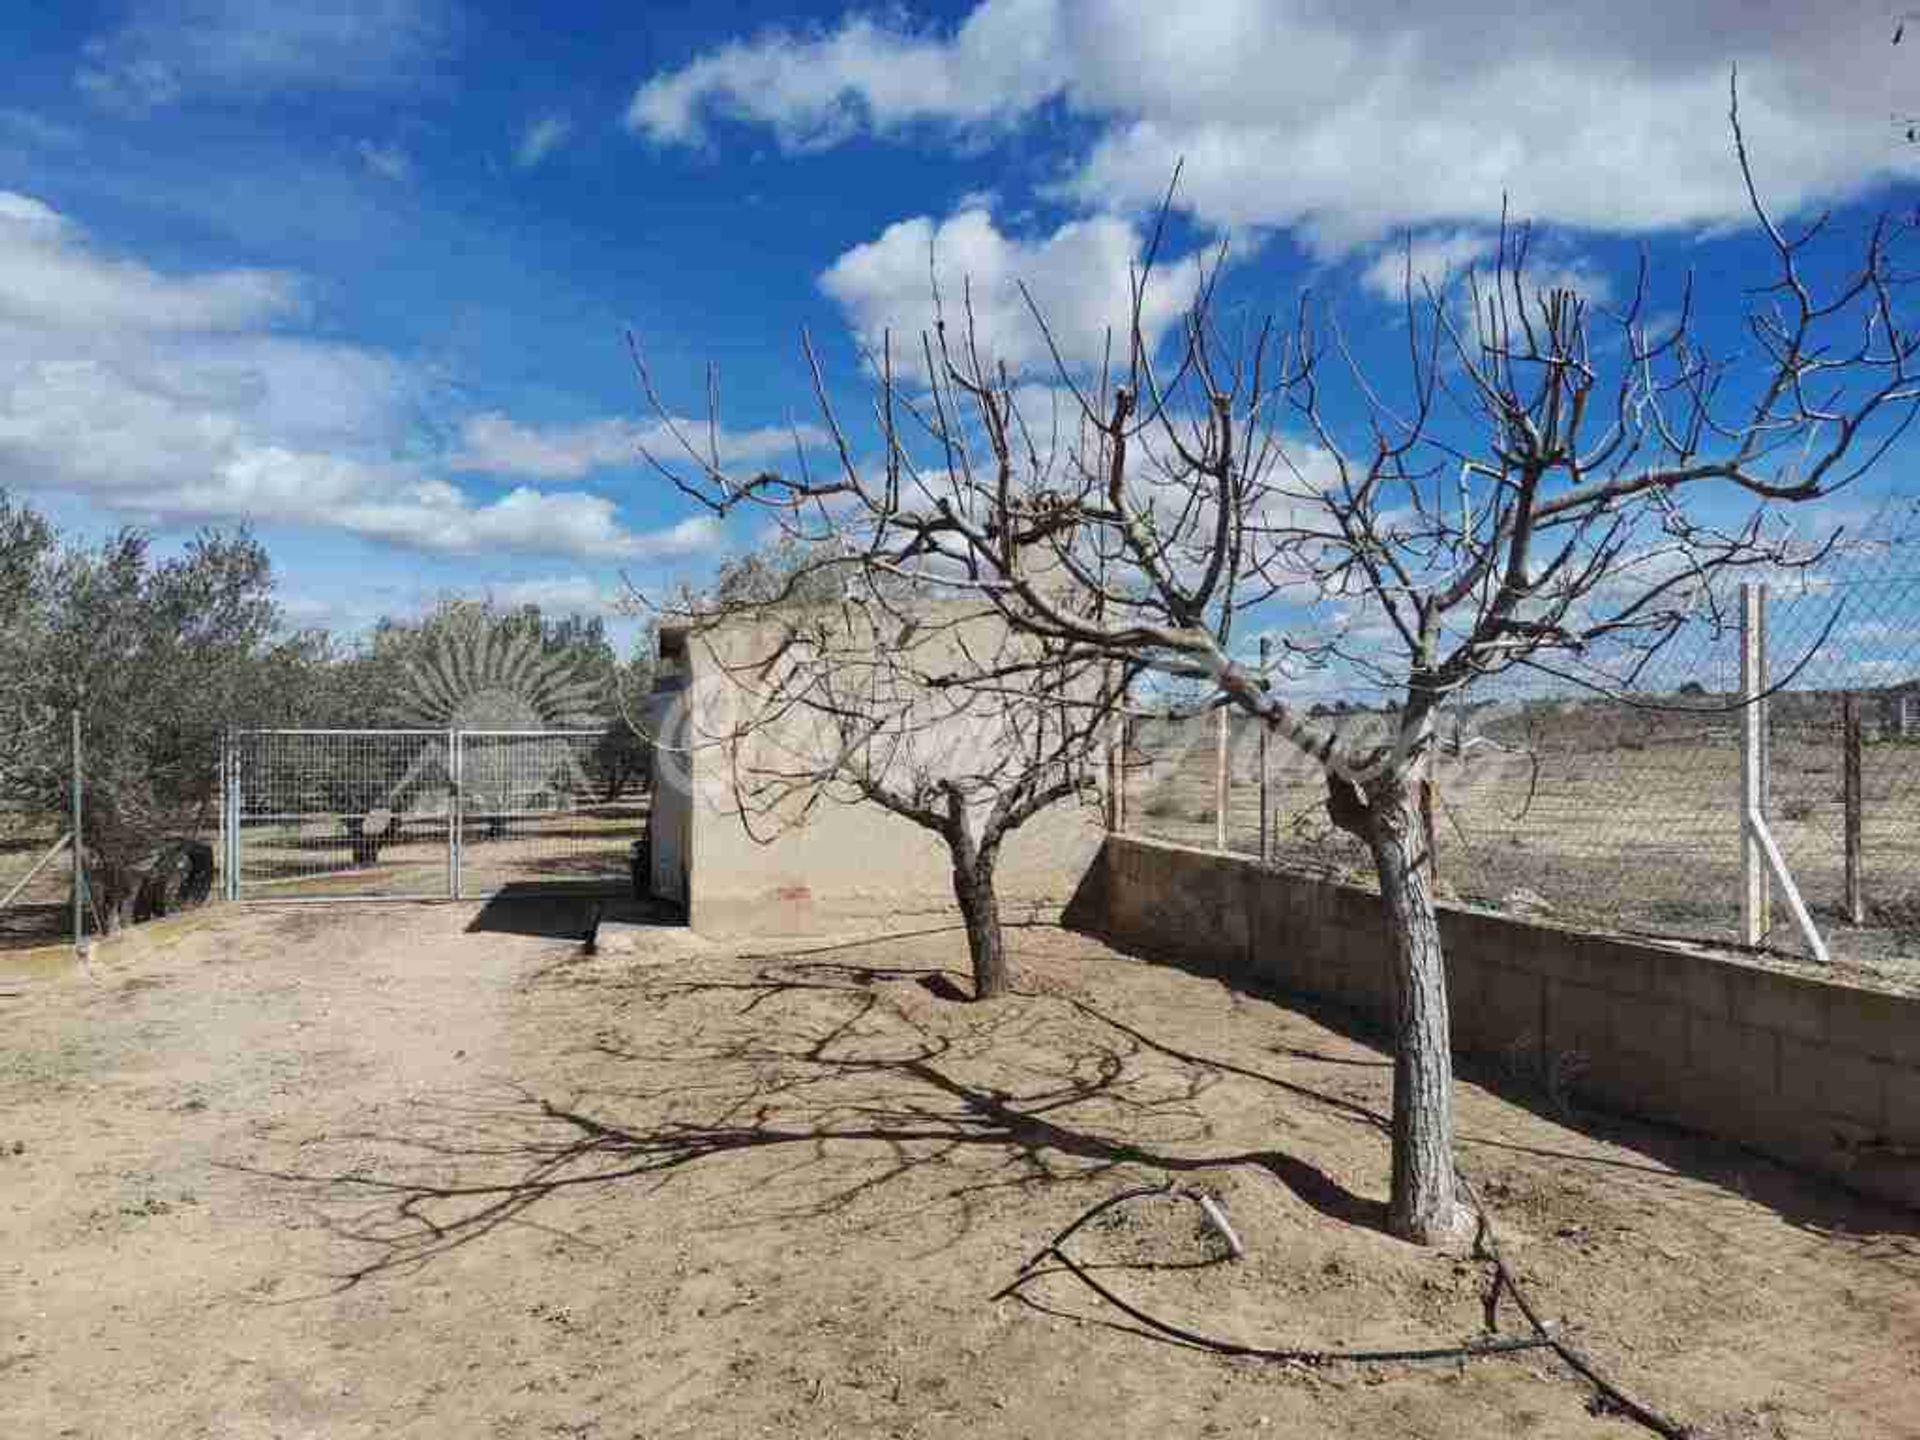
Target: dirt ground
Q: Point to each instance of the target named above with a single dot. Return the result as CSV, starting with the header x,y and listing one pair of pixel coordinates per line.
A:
x,y
373,1172
1603,819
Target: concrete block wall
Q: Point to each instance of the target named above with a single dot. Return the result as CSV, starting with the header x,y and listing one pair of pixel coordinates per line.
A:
x,y
1819,1074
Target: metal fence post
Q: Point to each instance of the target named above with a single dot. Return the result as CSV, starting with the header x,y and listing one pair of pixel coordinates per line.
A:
x,y
232,806
220,789
1265,759
456,819
79,846
1221,782
1851,788
1755,892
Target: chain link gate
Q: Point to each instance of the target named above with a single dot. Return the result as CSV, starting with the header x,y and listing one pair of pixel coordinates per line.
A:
x,y
423,814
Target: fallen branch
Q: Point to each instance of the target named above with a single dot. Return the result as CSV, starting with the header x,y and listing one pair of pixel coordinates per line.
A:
x,y
1054,1249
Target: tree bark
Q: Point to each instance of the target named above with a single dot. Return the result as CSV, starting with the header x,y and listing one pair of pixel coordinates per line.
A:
x,y
1424,1200
1424,1205
113,887
986,946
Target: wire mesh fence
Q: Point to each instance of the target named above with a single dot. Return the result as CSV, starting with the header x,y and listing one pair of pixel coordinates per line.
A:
x,y
542,809
395,814
1624,811
36,879
363,812
341,814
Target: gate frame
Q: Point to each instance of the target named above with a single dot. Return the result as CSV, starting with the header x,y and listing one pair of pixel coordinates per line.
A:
x,y
232,811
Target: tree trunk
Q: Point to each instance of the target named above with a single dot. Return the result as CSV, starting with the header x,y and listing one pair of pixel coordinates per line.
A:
x,y
112,888
366,848
980,907
1424,1206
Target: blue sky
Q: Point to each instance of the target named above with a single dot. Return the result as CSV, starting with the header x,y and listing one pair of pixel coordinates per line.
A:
x,y
360,278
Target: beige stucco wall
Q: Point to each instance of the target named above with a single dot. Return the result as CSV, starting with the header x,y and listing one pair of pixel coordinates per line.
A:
x,y
825,864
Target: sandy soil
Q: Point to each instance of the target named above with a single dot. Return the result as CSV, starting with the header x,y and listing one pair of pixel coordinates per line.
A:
x,y
368,1172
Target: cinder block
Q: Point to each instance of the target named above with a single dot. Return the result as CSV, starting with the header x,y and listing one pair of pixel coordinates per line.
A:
x,y
1832,1083
1616,965
1900,1113
1650,1030
1700,983
1508,1006
1576,1019
1779,1002
1868,1022
1468,934
1367,963
1740,1058
1551,954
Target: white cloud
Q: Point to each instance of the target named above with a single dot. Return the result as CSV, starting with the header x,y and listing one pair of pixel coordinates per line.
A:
x,y
562,595
540,139
50,276
1433,260
166,398
169,51
1079,277
1441,259
389,162
495,444
819,89
1348,122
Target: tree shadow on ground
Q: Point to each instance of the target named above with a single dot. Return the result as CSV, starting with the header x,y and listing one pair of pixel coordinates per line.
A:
x,y
861,1095
1671,1154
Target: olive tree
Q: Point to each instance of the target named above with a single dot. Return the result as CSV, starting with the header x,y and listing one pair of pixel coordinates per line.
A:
x,y
157,656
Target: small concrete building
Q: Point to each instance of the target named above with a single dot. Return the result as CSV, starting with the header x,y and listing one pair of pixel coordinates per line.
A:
x,y
825,863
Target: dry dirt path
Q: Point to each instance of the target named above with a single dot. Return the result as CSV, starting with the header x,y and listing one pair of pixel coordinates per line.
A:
x,y
361,1173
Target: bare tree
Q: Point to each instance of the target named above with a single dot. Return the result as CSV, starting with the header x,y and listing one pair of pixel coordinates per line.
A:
x,y
1549,487
898,700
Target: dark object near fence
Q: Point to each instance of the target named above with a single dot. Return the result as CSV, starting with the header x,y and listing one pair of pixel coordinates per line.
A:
x,y
640,864
181,877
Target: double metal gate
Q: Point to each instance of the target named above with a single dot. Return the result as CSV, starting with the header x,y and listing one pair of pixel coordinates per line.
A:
x,y
424,814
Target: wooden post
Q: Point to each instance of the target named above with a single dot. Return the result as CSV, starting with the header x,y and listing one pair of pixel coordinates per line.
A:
x,y
1220,782
1850,769
1266,773
1755,891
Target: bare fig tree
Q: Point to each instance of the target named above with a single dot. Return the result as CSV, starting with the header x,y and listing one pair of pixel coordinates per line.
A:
x,y
1546,486
895,700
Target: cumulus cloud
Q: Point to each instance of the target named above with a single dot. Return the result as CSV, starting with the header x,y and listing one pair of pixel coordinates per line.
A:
x,y
821,88
496,444
1438,260
50,276
1349,122
1079,276
171,397
540,139
170,51
1432,261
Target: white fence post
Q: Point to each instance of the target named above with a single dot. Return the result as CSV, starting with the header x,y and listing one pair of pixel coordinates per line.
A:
x,y
1755,890
1221,781
1265,761
1760,859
